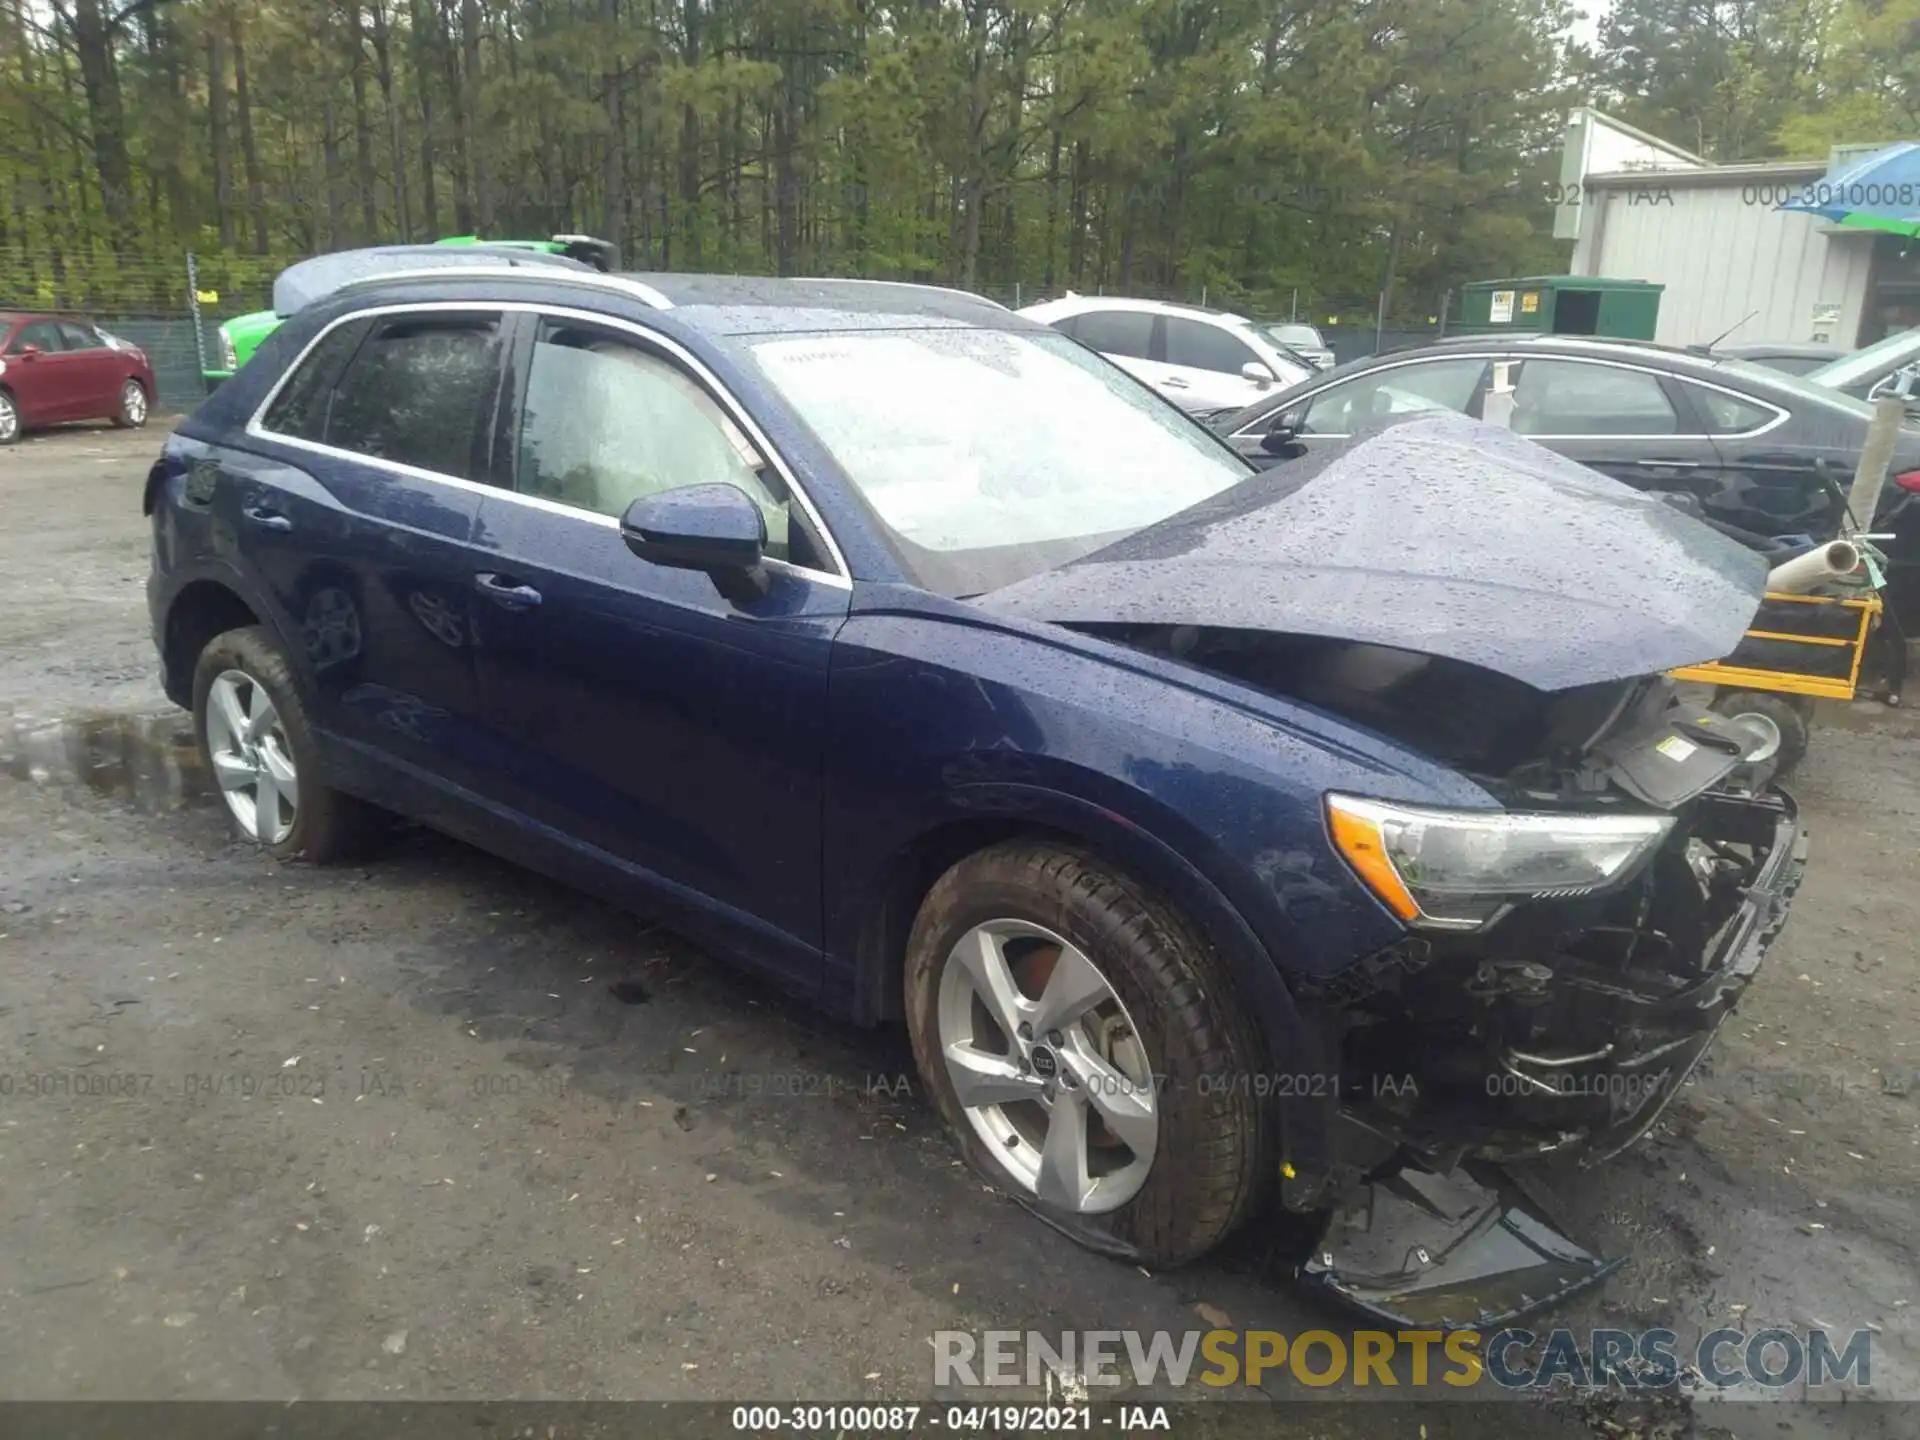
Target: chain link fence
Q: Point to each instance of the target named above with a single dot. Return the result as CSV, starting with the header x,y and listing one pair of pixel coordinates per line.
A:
x,y
171,306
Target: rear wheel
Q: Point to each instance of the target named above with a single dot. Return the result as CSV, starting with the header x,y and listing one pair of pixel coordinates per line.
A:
x,y
9,419
1778,719
133,406
259,751
1086,1050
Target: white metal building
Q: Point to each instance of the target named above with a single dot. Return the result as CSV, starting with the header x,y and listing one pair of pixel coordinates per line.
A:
x,y
1713,235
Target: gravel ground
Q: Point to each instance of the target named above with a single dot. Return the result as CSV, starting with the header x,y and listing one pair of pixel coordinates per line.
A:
x,y
439,1128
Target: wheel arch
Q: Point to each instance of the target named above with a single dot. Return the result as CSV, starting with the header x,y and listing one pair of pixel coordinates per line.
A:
x,y
1306,1120
202,609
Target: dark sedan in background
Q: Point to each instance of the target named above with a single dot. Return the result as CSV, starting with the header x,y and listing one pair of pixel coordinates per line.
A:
x,y
1761,450
54,369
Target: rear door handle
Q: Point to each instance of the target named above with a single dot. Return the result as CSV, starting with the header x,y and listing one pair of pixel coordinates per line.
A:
x,y
505,593
267,519
1174,382
1668,464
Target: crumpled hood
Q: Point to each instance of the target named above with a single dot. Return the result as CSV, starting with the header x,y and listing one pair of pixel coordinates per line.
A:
x,y
1439,535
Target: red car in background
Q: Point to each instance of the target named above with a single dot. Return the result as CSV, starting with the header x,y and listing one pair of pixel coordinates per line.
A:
x,y
54,369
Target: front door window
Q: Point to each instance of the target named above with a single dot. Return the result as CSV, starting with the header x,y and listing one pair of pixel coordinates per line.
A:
x,y
606,423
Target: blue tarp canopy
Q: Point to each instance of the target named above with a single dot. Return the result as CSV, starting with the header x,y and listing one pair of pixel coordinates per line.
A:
x,y
1880,191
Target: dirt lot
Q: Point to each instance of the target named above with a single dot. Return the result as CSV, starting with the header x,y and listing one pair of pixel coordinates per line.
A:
x,y
438,1128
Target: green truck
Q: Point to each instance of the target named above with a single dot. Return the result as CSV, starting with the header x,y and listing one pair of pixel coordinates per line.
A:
x,y
244,334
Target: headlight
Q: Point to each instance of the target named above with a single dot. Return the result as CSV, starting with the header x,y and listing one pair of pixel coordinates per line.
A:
x,y
1461,869
229,360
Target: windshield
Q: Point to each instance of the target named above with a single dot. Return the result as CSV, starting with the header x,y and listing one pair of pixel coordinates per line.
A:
x,y
991,455
1300,337
1900,348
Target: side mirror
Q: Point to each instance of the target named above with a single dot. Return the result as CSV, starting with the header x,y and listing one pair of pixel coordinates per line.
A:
x,y
1282,433
1256,372
29,352
714,528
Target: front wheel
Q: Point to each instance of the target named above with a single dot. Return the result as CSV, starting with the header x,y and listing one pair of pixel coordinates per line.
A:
x,y
10,426
1085,1048
258,747
133,406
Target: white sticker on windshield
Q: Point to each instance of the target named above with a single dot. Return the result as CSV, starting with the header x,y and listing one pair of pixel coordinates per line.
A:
x,y
1676,749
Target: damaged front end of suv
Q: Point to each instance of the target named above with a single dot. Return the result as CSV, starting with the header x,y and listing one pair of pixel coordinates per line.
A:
x,y
1568,952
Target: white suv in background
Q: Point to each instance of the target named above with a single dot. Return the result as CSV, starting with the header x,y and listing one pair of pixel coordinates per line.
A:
x,y
1202,360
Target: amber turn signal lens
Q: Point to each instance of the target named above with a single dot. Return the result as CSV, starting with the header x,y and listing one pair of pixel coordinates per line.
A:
x,y
1359,840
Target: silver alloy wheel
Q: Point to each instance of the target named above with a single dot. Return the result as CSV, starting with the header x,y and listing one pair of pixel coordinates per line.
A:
x,y
1051,1073
252,759
133,403
1765,731
9,418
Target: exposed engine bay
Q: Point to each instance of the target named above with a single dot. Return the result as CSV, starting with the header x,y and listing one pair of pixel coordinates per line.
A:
x,y
1566,1021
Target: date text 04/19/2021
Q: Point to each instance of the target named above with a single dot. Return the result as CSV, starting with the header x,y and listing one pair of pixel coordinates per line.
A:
x,y
950,1419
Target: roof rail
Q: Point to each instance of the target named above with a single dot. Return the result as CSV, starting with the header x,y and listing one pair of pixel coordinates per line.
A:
x,y
911,284
590,279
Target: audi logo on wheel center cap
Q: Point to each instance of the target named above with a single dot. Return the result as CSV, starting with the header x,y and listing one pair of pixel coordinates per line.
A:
x,y
1044,1063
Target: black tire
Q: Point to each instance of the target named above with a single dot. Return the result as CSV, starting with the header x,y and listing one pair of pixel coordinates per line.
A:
x,y
1781,711
131,416
329,826
10,427
1216,1153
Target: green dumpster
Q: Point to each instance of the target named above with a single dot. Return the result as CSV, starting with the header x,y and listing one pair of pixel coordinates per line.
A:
x,y
1560,305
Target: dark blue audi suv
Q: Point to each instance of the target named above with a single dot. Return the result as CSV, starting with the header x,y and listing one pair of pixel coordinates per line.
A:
x,y
1225,841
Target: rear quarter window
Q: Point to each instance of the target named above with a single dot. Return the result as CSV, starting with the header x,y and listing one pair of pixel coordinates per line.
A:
x,y
1724,414
299,410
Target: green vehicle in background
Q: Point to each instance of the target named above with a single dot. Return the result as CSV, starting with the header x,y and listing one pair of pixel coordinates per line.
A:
x,y
244,334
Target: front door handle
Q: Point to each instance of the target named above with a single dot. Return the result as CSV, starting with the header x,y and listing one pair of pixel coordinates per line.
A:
x,y
267,519
1668,464
505,592
1174,382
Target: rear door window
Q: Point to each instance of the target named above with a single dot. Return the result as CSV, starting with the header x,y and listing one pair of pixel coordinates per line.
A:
x,y
1569,398
1199,346
80,337
1116,332
420,391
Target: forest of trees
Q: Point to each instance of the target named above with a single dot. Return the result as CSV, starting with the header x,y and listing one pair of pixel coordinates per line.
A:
x,y
1249,146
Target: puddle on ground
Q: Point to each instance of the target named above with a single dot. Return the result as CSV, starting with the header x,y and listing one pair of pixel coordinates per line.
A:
x,y
149,760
